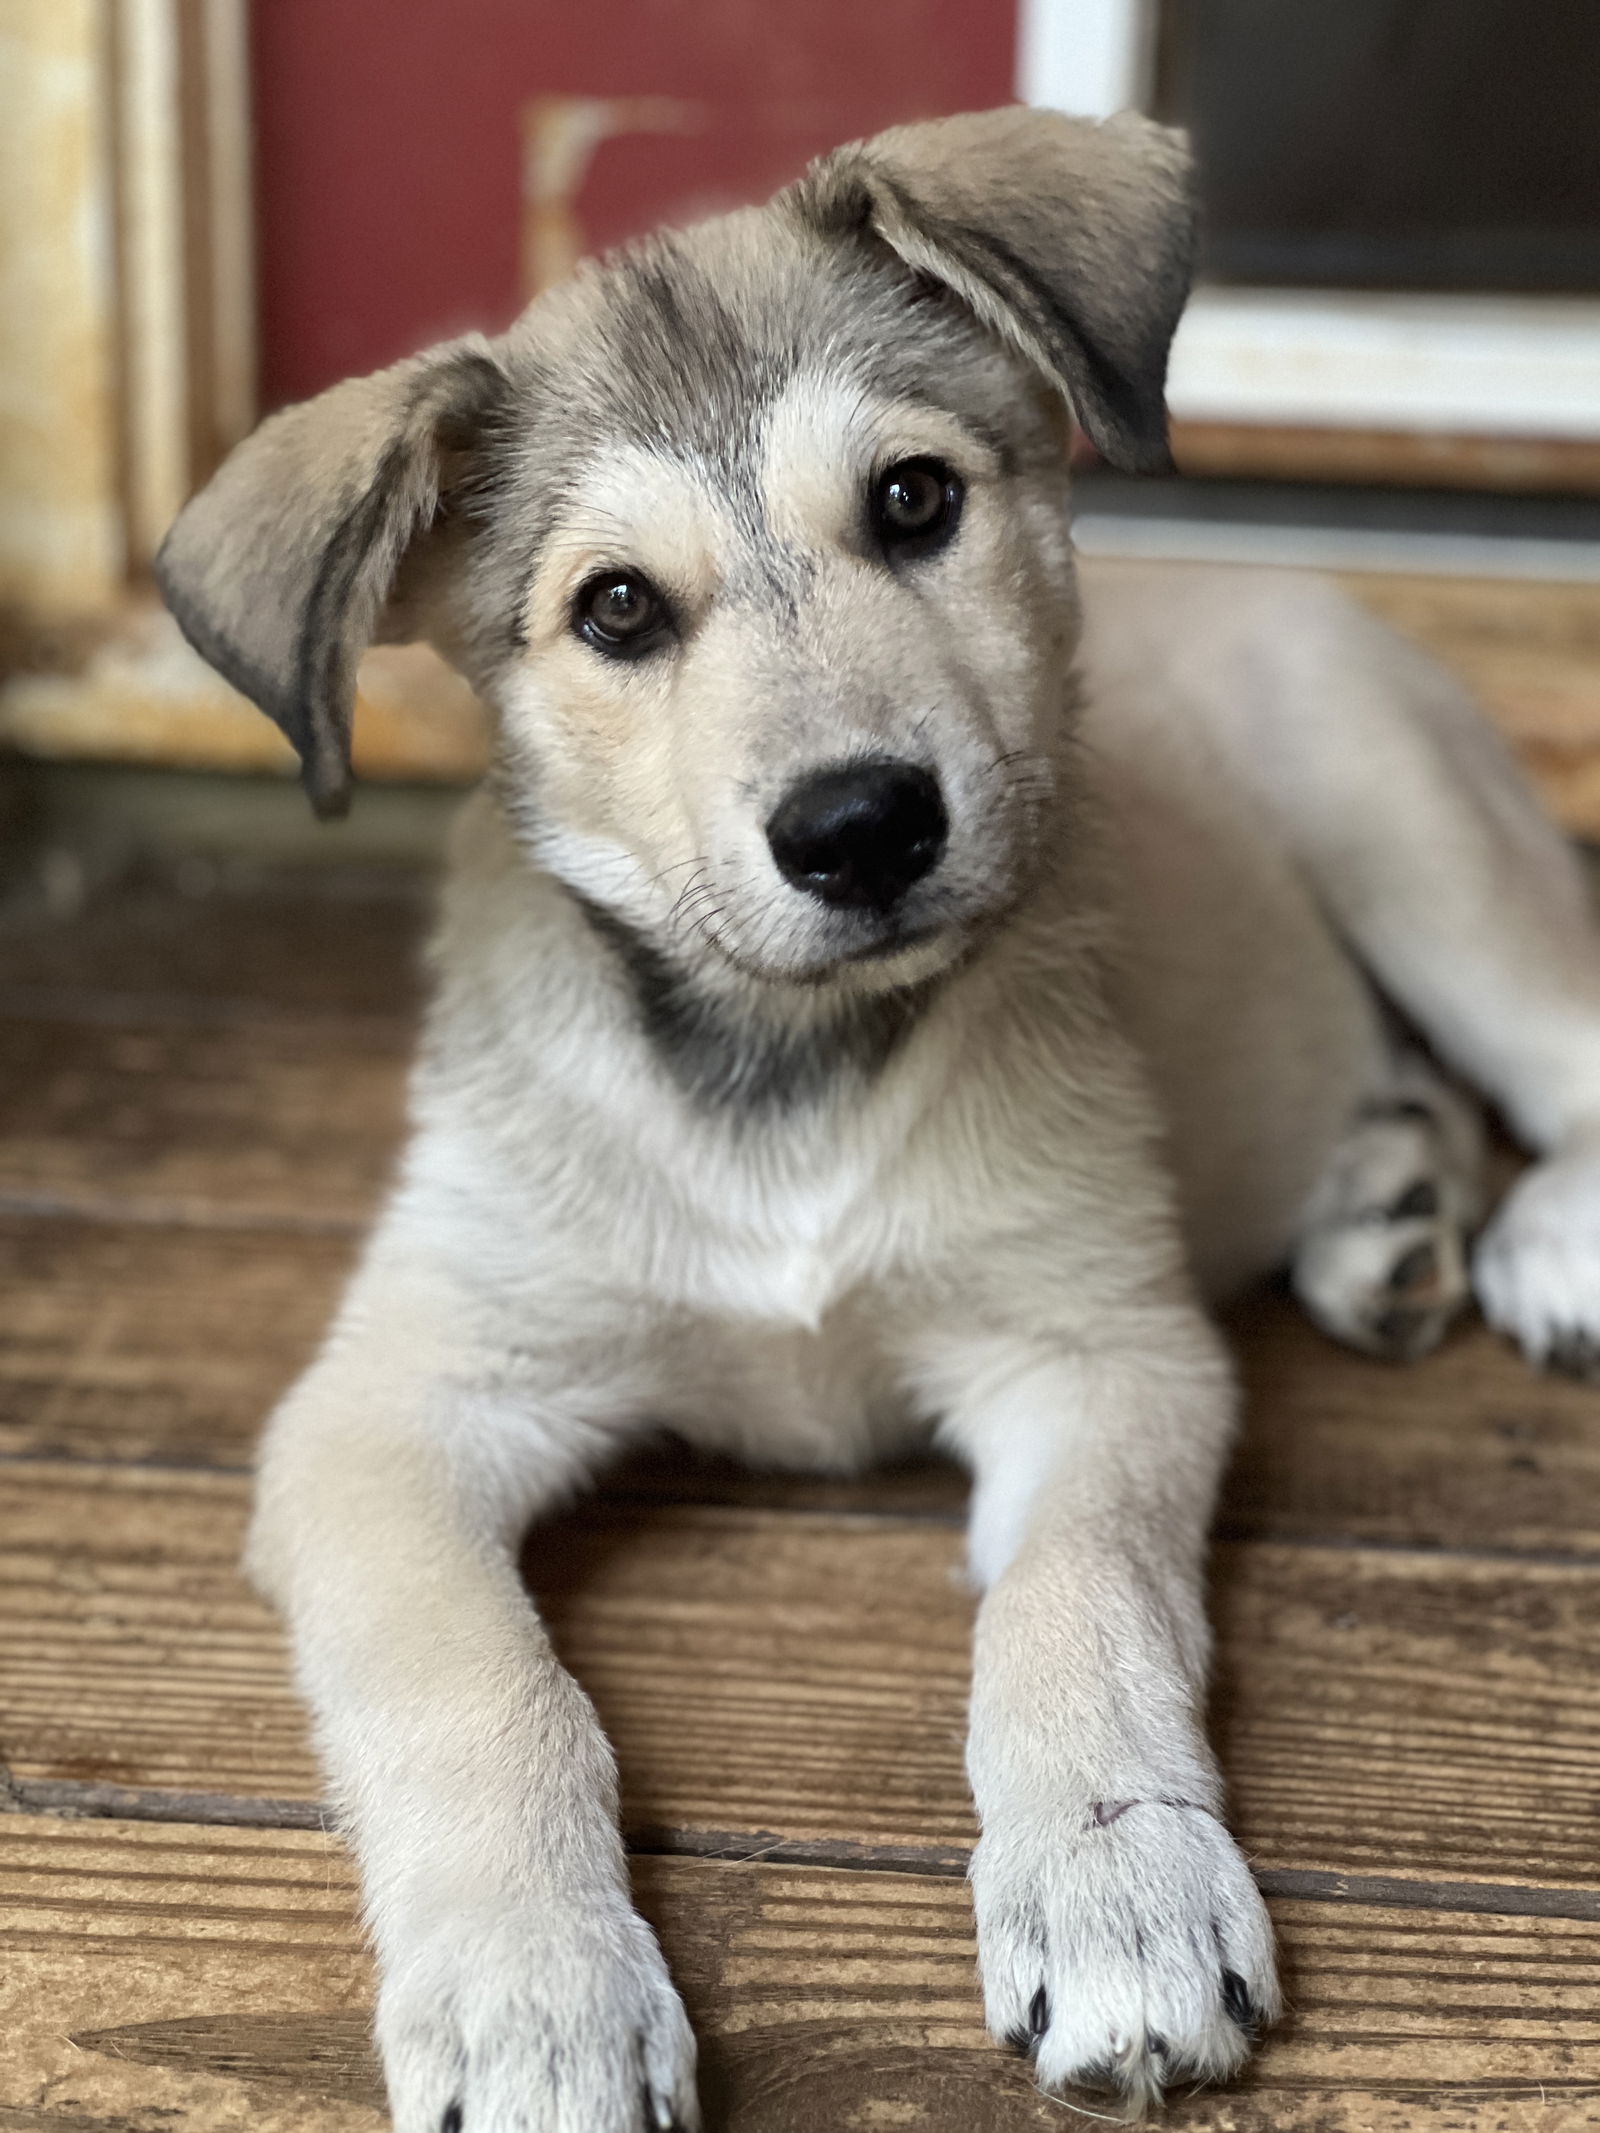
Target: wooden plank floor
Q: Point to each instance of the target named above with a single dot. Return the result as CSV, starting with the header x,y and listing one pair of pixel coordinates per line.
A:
x,y
199,1100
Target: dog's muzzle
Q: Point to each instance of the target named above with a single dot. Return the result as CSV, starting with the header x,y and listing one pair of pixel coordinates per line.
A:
x,y
858,836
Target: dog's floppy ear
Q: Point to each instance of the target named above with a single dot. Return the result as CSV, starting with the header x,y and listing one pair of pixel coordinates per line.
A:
x,y
280,570
1071,238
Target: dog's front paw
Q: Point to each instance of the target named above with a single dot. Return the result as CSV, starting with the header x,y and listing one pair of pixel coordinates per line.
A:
x,y
1537,1266
1125,1948
548,2018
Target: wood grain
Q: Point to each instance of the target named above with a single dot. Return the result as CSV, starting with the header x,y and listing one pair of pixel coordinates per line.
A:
x,y
219,938
1470,1449
1393,458
245,1948
282,1121
174,1974
137,694
799,1680
132,1341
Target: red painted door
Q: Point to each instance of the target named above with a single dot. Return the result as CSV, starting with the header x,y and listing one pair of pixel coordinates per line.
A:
x,y
422,165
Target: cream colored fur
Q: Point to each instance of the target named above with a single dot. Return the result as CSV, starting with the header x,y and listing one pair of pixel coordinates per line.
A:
x,y
1193,830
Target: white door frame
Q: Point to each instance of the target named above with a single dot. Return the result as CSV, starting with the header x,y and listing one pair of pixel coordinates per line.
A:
x,y
1449,365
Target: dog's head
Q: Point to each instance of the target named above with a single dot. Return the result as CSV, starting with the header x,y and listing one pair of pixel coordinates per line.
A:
x,y
754,537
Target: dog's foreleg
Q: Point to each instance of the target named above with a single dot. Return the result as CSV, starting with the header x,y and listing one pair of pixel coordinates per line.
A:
x,y
1121,1937
518,1989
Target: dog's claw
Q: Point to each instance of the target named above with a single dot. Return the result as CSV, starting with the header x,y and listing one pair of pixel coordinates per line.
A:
x,y
451,2121
1242,2010
1038,2015
1024,2041
660,2117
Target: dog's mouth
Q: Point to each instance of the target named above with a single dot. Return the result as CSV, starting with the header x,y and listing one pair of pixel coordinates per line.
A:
x,y
897,939
901,954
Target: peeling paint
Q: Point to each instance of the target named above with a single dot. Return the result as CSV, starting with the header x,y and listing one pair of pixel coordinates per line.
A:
x,y
560,136
60,516
142,696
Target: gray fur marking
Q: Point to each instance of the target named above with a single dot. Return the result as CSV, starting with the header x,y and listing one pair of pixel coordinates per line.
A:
x,y
740,1063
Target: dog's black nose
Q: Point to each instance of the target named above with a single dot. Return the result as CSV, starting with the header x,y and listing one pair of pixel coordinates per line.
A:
x,y
858,836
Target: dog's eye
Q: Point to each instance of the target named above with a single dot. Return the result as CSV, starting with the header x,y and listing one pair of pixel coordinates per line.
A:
x,y
621,614
915,507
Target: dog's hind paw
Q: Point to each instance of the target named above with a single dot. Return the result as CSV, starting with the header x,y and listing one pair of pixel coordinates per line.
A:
x,y
1537,1266
543,2019
1381,1260
1128,1953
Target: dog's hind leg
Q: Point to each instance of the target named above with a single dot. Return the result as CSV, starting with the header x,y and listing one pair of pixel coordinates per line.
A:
x,y
1461,898
1380,1259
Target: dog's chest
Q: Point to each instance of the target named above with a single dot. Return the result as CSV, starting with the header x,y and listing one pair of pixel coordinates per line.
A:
x,y
783,1279
781,1252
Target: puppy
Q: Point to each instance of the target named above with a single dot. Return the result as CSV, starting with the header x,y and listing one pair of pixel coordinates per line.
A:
x,y
884,989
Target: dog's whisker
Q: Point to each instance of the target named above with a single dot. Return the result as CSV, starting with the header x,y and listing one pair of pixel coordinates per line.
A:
x,y
685,905
697,916
676,867
695,886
